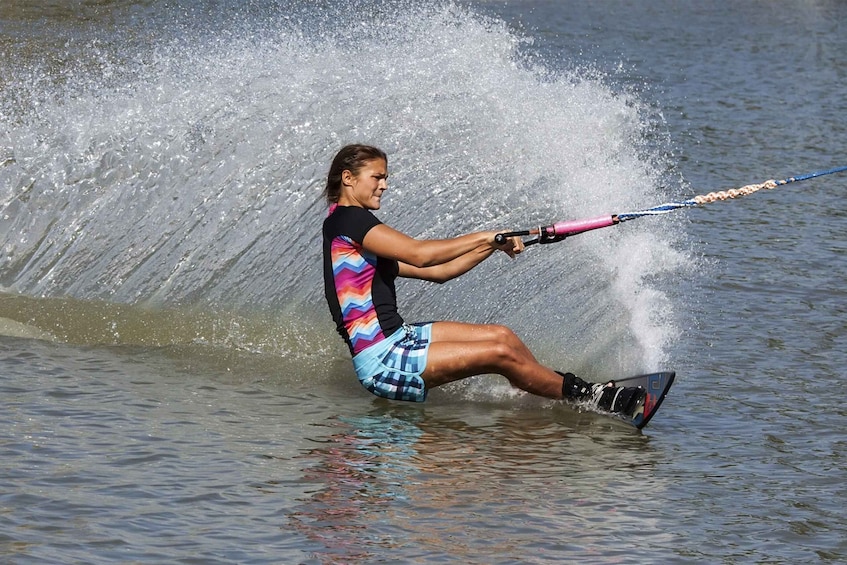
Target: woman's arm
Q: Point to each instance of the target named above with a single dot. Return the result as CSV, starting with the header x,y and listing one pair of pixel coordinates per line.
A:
x,y
449,270
436,260
389,243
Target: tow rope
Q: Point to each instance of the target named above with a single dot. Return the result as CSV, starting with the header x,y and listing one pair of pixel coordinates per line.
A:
x,y
561,230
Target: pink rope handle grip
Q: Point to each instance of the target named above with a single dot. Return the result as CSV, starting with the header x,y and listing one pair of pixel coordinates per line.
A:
x,y
559,230
572,227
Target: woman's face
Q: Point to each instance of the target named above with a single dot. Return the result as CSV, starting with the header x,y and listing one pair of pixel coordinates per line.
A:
x,y
365,188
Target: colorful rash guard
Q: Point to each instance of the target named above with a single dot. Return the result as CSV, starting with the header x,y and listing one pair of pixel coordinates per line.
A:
x,y
359,286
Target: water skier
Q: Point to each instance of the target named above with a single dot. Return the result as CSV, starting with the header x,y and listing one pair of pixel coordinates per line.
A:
x,y
401,361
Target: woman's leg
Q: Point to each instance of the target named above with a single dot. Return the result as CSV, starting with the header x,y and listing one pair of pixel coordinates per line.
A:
x,y
459,350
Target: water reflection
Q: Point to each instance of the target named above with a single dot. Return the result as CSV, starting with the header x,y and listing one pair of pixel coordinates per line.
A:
x,y
361,470
465,483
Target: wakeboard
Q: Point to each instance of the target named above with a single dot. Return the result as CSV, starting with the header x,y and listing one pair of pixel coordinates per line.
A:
x,y
657,386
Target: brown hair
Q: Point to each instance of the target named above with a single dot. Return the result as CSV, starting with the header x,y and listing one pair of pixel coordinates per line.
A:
x,y
350,158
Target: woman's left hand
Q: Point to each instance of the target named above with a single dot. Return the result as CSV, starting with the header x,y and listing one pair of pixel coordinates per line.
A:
x,y
511,247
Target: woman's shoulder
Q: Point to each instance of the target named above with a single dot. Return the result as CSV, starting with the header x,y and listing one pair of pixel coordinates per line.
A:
x,y
353,213
350,220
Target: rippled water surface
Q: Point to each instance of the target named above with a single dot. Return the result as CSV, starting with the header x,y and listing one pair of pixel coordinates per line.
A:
x,y
172,391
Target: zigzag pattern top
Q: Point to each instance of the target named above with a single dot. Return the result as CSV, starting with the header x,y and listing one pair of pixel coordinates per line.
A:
x,y
358,285
353,269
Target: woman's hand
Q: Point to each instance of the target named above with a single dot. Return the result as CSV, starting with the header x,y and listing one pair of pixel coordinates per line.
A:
x,y
511,247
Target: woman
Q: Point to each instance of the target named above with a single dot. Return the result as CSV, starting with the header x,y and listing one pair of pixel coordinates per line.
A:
x,y
363,256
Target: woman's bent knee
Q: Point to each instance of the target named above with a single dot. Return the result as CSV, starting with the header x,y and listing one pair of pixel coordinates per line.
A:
x,y
502,333
506,354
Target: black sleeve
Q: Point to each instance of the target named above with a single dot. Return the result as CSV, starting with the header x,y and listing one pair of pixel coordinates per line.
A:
x,y
357,222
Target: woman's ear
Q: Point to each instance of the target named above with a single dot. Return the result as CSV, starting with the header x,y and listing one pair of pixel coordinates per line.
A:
x,y
346,177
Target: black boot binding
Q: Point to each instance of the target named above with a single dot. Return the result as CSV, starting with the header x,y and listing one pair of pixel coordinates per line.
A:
x,y
627,401
574,388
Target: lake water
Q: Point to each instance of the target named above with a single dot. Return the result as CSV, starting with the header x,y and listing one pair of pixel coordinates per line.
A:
x,y
172,389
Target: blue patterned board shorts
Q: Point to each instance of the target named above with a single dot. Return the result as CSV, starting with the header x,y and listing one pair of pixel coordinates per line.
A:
x,y
392,368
